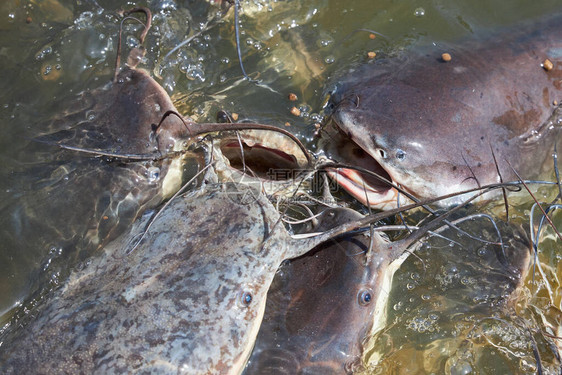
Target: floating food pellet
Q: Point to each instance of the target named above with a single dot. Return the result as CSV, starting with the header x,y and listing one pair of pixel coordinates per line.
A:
x,y
28,19
371,54
234,116
547,65
293,97
295,111
446,57
555,102
372,36
106,217
317,126
287,123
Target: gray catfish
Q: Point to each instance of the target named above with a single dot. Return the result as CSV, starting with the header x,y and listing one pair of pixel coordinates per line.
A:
x,y
189,298
74,201
434,127
67,202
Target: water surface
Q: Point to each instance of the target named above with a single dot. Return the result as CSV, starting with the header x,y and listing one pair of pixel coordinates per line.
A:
x,y
52,50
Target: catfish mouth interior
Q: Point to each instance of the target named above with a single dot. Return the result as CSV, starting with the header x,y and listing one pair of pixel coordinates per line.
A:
x,y
263,156
364,187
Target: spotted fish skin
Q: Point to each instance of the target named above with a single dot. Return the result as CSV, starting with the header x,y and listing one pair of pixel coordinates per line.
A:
x,y
173,305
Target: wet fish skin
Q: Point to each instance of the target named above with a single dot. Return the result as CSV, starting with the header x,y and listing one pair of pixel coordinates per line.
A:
x,y
314,321
173,305
121,118
432,125
317,316
72,201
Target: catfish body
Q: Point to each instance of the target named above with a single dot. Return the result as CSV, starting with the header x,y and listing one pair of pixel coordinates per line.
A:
x,y
189,298
435,127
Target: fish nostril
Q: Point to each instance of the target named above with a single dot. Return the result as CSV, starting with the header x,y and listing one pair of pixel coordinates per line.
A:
x,y
382,153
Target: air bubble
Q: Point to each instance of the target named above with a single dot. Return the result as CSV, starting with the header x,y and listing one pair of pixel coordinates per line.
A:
x,y
153,174
90,115
195,73
419,12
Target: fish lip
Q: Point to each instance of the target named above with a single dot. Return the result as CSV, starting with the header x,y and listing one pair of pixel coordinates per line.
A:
x,y
278,152
353,182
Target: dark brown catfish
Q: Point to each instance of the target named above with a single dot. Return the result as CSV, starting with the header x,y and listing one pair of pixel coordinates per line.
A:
x,y
323,308
435,127
67,201
324,305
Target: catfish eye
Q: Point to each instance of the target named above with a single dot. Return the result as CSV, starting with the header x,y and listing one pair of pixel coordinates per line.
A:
x,y
246,298
400,155
364,297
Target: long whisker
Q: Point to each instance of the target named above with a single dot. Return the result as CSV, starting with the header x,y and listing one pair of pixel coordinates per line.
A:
x,y
132,157
536,201
556,172
504,192
473,177
237,37
147,26
407,194
156,128
400,214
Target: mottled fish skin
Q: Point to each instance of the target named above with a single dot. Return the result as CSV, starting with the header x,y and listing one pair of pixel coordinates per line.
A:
x,y
432,125
175,304
322,306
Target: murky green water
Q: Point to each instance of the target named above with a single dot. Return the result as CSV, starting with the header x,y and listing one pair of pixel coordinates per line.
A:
x,y
51,50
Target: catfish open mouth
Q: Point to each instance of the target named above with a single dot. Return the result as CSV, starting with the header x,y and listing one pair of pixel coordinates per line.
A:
x,y
367,189
258,159
261,157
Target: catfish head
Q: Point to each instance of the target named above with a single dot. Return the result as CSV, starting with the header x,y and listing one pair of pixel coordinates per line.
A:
x,y
324,305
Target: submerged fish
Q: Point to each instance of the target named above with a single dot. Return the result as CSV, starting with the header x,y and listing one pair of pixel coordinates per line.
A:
x,y
189,298
68,202
435,127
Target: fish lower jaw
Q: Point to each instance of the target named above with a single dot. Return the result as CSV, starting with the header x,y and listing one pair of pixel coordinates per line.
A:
x,y
382,198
